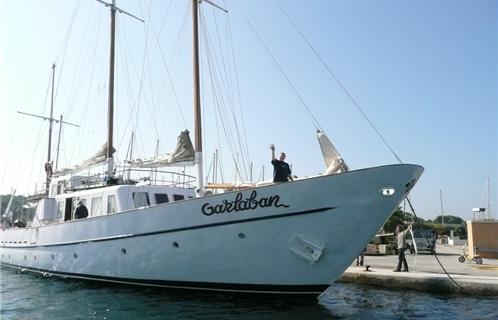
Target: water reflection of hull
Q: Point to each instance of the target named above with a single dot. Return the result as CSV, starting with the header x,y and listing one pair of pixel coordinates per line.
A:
x,y
298,242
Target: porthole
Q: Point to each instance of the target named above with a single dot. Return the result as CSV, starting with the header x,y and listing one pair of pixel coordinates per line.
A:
x,y
123,251
242,235
175,244
75,255
387,192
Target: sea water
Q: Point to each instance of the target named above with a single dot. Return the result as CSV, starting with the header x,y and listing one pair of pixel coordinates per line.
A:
x,y
33,296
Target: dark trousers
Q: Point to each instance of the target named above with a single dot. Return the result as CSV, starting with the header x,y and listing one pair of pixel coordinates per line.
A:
x,y
402,260
359,259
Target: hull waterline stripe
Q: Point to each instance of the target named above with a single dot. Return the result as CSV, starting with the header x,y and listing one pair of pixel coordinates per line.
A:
x,y
207,286
216,224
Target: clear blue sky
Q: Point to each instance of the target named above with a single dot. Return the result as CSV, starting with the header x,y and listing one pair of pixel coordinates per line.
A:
x,y
425,73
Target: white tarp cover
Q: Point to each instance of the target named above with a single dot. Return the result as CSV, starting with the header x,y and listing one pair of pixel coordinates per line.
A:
x,y
333,160
183,155
98,158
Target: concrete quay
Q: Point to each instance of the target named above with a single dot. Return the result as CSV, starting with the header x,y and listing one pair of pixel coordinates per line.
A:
x,y
426,274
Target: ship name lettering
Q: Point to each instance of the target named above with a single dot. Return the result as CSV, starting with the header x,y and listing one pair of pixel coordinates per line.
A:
x,y
240,204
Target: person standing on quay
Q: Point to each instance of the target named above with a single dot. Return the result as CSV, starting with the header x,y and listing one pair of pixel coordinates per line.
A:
x,y
401,239
281,169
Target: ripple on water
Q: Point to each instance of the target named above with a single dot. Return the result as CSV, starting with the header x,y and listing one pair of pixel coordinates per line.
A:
x,y
29,296
357,301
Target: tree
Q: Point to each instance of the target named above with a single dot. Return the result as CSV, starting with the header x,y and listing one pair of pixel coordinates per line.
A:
x,y
398,217
15,207
449,219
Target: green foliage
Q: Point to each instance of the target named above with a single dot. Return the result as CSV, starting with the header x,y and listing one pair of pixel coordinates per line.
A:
x,y
399,217
448,219
17,202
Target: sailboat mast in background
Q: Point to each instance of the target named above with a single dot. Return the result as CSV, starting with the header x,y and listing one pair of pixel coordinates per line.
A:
x,y
441,200
51,121
489,207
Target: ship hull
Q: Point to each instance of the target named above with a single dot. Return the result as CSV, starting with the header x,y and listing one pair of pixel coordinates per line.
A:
x,y
285,238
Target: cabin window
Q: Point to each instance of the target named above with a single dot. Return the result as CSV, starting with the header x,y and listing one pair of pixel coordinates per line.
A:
x,y
161,198
53,191
60,187
111,204
177,197
140,199
60,209
96,205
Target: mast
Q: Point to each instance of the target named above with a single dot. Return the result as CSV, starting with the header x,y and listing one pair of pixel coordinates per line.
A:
x,y
110,105
197,99
441,200
489,207
51,121
58,145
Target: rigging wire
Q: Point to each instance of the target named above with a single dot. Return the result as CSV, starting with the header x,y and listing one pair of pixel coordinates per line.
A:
x,y
146,72
168,72
339,82
36,150
127,72
60,67
135,100
313,119
29,149
180,39
224,112
217,96
230,96
143,76
138,103
355,103
85,68
218,135
244,158
165,18
66,41
236,75
435,254
80,64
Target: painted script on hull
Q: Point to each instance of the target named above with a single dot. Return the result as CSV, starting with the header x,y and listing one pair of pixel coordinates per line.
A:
x,y
240,204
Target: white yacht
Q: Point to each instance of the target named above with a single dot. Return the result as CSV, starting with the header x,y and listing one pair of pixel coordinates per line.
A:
x,y
296,237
